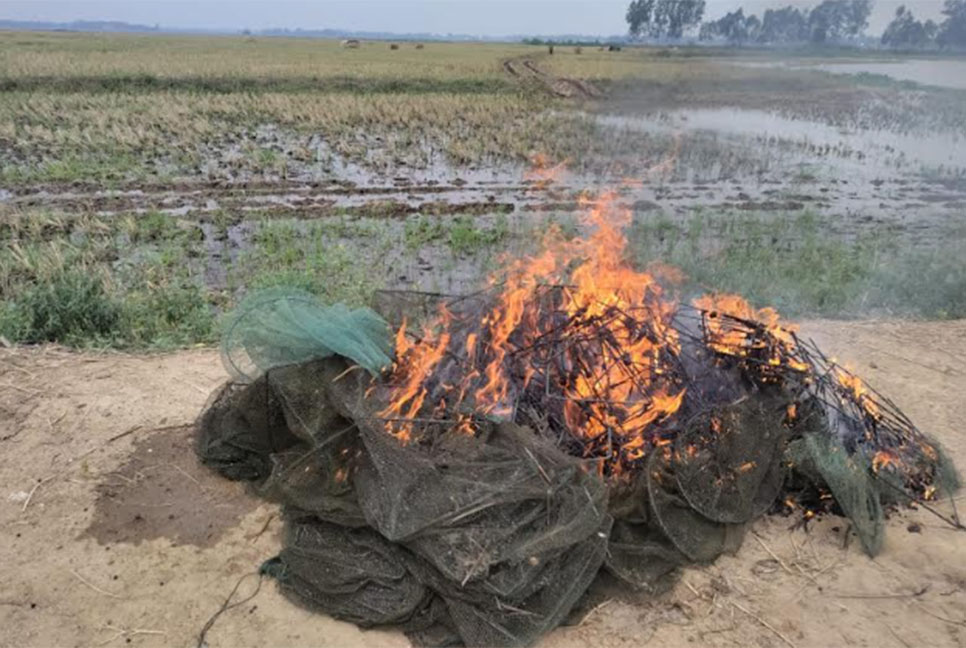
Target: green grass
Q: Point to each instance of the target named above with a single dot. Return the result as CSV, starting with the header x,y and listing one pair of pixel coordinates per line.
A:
x,y
465,237
794,264
83,281
77,308
462,234
141,281
70,307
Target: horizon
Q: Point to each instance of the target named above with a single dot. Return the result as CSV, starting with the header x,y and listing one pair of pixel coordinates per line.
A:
x,y
480,18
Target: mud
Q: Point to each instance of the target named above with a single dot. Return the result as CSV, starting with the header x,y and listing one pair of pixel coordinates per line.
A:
x,y
181,199
526,68
161,491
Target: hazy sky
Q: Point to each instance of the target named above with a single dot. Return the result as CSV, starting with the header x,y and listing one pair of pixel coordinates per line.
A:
x,y
482,17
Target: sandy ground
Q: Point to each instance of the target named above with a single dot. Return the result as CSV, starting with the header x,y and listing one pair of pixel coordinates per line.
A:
x,y
110,533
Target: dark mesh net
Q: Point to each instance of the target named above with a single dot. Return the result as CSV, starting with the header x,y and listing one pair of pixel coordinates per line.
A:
x,y
493,538
502,527
727,464
479,540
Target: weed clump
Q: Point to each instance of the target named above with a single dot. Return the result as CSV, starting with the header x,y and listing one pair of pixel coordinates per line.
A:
x,y
175,314
70,307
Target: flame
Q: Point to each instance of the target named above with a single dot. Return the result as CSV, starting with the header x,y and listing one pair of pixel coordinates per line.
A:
x,y
884,459
857,391
614,390
735,328
411,392
611,389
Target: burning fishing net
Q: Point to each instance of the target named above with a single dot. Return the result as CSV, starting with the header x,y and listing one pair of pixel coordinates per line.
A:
x,y
469,481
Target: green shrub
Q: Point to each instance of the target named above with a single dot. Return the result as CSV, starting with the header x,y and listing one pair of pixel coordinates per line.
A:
x,y
70,307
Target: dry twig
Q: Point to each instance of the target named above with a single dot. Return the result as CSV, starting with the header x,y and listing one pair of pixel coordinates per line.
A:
x,y
764,623
93,586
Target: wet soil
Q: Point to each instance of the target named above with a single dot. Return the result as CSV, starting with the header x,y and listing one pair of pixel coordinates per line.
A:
x,y
162,491
526,68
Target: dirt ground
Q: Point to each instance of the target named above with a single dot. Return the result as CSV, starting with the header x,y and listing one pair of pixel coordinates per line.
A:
x,y
111,533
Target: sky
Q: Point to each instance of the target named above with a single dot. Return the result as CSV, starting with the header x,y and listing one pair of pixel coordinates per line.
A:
x,y
477,17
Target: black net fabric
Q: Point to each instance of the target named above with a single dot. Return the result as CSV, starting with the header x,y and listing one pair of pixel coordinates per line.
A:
x,y
494,538
485,540
728,461
826,459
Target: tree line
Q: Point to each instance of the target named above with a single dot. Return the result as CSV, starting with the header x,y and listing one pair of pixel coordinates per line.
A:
x,y
905,32
830,22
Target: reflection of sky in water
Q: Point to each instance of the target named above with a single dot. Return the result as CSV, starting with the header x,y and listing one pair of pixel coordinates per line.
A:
x,y
798,141
947,74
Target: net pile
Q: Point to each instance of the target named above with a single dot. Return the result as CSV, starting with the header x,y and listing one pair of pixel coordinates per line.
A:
x,y
478,521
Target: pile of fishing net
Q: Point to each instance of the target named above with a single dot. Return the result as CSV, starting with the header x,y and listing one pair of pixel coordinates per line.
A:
x,y
494,537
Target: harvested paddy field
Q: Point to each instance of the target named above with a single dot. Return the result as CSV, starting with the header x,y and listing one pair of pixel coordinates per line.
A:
x,y
175,173
149,184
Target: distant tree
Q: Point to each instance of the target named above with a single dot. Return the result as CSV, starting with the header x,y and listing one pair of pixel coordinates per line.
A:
x,y
753,27
782,26
734,27
639,15
907,32
663,18
676,16
838,20
952,31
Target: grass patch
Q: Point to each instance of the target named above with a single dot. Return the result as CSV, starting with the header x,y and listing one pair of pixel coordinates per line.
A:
x,y
465,237
71,307
172,314
304,255
77,308
145,281
794,264
463,234
422,230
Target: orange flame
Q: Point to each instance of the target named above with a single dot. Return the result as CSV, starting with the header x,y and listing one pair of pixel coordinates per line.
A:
x,y
732,337
884,459
603,404
858,390
615,390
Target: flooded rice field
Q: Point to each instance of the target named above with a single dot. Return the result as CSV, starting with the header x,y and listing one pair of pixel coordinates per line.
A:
x,y
785,142
725,163
927,72
943,74
720,183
